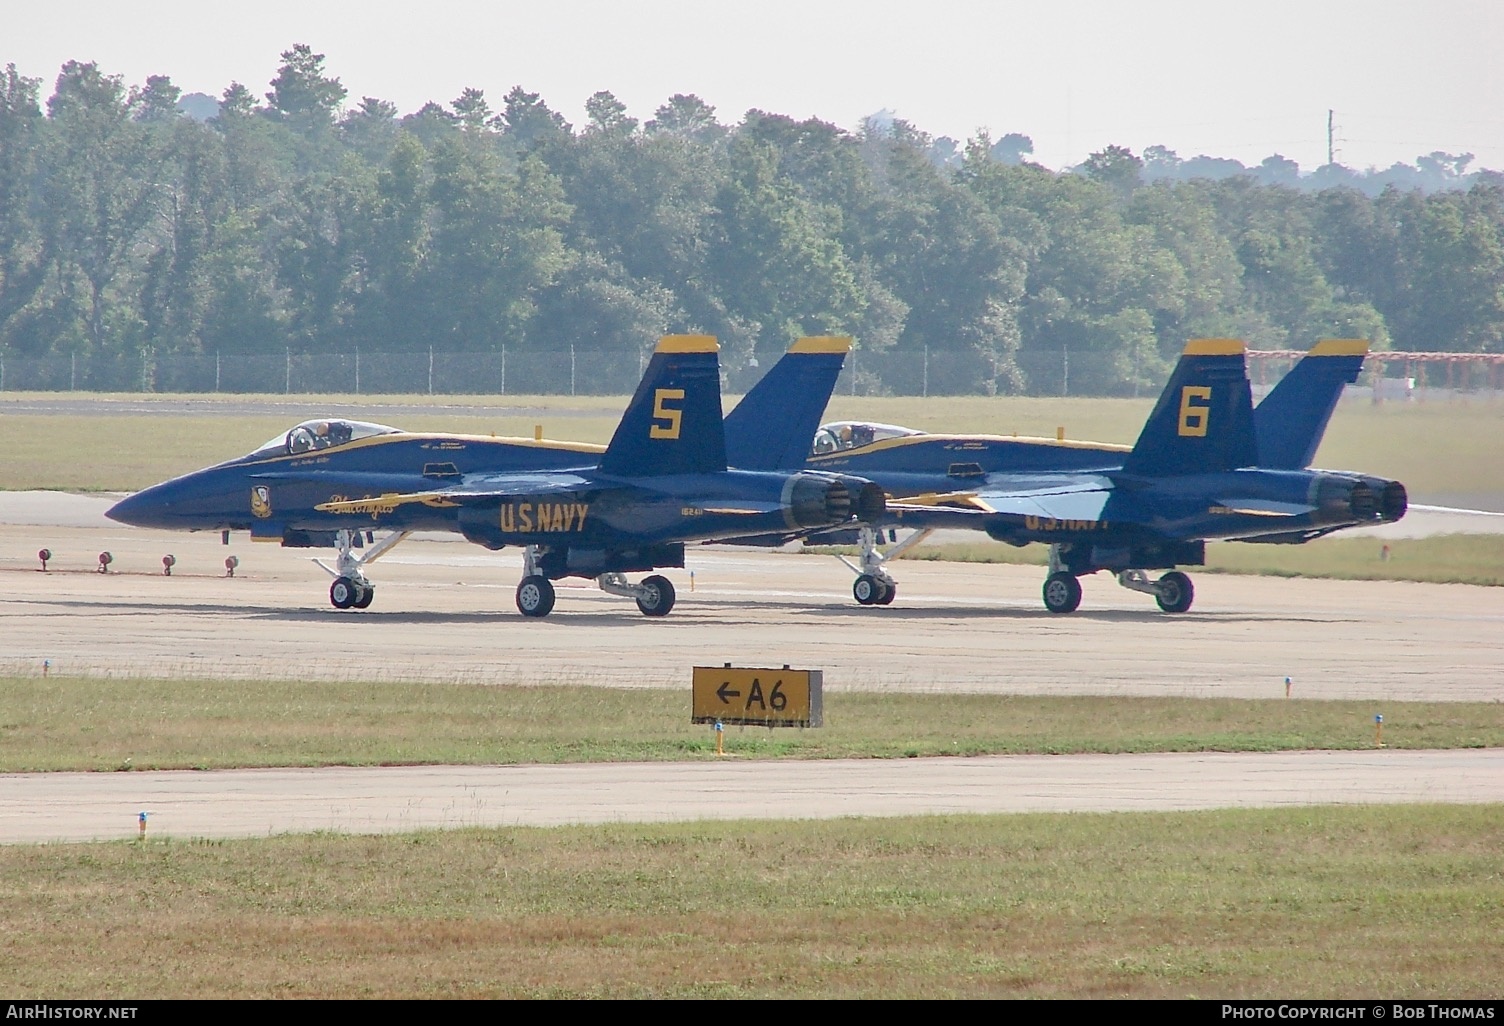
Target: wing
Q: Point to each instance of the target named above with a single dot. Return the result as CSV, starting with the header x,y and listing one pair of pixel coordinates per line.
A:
x,y
473,489
1060,498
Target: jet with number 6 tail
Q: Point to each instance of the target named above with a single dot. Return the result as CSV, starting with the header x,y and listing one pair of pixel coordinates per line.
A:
x,y
575,511
1206,466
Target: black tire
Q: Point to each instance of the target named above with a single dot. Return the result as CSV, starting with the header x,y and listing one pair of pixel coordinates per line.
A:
x,y
1175,592
660,597
366,592
535,596
1062,592
867,590
342,592
890,591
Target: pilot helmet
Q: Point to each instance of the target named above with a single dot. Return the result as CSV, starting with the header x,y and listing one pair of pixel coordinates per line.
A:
x,y
321,428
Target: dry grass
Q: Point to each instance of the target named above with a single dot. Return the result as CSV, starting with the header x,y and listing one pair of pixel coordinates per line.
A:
x,y
115,724
1403,902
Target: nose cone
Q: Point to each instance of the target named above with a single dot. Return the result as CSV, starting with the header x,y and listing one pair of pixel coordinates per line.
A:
x,y
144,509
194,502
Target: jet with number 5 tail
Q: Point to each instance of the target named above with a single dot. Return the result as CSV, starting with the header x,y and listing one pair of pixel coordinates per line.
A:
x,y
575,511
1206,466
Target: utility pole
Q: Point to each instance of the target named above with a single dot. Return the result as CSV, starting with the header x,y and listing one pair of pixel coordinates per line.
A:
x,y
1331,154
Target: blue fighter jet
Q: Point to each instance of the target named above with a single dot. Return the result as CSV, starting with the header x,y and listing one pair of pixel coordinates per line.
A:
x,y
1206,466
576,511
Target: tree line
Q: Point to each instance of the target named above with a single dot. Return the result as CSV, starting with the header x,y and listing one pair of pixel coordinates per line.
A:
x,y
132,232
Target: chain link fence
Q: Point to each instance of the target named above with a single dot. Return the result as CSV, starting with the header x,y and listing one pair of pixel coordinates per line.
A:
x,y
577,371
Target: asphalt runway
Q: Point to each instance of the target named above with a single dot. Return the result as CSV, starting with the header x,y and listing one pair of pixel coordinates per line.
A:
x,y
444,612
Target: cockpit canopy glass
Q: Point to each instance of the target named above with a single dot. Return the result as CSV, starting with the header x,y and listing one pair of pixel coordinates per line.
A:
x,y
849,434
312,435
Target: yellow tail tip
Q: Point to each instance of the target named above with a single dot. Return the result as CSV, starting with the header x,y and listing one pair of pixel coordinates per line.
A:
x,y
687,344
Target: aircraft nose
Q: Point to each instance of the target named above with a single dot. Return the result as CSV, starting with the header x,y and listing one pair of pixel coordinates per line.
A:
x,y
128,510
149,508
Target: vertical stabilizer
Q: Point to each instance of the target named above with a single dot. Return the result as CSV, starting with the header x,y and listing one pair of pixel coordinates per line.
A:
x,y
1294,415
673,423
774,424
1203,422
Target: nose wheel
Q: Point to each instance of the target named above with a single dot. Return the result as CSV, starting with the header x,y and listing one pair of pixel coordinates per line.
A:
x,y
351,593
872,590
351,589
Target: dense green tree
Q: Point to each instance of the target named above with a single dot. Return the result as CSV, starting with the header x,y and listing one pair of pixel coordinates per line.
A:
x,y
945,258
104,197
608,115
156,101
774,261
137,237
1453,297
301,94
1115,167
23,256
687,116
528,122
496,245
473,112
370,128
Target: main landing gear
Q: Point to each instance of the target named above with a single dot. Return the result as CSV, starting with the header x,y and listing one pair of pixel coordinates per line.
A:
x,y
535,594
1062,589
873,586
351,589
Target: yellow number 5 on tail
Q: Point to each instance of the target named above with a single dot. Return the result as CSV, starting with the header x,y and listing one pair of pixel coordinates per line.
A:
x,y
669,415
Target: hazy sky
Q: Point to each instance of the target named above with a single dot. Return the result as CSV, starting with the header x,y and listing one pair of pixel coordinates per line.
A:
x,y
1404,77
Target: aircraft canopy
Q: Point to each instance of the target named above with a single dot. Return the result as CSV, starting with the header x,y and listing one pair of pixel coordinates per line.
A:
x,y
325,434
848,434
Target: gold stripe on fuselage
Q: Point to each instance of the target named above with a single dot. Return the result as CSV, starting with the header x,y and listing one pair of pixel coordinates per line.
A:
x,y
893,443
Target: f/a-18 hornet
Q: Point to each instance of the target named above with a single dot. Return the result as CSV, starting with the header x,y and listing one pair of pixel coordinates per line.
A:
x,y
662,482
1206,466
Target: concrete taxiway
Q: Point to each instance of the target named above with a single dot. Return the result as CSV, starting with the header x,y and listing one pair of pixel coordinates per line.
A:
x,y
51,807
444,613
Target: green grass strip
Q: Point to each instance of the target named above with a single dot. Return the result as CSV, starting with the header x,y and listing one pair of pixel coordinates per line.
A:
x,y
120,724
1377,902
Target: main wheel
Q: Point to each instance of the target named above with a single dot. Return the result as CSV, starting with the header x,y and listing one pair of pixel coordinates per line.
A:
x,y
889,591
364,593
867,590
1175,592
535,596
1062,592
343,592
659,598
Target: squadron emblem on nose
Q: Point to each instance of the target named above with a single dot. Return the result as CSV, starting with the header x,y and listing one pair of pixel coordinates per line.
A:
x,y
261,501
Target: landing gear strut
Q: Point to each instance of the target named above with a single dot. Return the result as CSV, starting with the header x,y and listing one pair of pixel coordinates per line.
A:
x,y
1173,592
654,595
874,586
351,589
535,595
1062,589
